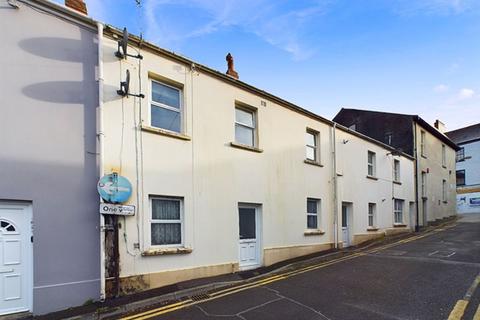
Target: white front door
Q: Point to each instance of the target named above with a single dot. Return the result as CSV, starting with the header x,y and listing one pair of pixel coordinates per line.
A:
x,y
249,245
15,258
345,226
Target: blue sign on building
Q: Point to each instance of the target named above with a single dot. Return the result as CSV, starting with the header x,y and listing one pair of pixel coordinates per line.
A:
x,y
114,188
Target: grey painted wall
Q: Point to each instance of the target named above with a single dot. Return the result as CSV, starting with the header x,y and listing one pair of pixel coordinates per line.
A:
x,y
48,98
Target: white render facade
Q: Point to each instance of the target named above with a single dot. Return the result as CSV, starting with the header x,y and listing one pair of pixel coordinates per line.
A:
x,y
207,203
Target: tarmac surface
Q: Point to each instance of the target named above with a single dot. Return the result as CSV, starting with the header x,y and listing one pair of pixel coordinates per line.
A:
x,y
422,278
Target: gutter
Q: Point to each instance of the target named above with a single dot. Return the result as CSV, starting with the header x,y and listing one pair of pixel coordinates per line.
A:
x,y
101,154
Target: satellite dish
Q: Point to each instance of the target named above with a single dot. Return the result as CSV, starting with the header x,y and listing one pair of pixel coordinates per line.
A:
x,y
124,85
124,90
123,45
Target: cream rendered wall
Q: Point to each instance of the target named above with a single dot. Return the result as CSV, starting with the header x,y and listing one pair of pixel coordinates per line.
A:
x,y
356,188
436,173
212,176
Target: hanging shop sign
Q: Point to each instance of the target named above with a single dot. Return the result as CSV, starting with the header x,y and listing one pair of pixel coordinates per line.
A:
x,y
117,209
114,188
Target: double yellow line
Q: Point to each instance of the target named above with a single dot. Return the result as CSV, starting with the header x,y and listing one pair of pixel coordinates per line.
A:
x,y
229,291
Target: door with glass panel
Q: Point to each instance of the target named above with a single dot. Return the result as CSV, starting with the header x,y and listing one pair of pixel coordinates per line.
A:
x,y
345,225
249,240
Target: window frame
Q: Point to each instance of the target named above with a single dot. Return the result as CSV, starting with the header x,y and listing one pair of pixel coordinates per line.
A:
x,y
372,214
372,164
180,110
464,177
317,214
253,111
159,221
316,147
397,211
444,190
396,170
423,183
423,147
460,155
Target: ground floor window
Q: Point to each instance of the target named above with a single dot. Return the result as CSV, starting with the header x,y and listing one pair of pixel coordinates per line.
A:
x,y
313,206
371,214
398,211
167,221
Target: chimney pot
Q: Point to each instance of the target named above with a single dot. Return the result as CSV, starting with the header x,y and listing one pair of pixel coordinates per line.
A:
x,y
77,5
231,68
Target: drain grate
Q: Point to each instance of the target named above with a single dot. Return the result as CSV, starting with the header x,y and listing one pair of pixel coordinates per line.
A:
x,y
200,297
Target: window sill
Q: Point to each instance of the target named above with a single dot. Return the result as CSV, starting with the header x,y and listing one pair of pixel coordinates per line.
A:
x,y
372,229
245,147
166,251
166,133
313,232
372,177
397,182
314,163
399,225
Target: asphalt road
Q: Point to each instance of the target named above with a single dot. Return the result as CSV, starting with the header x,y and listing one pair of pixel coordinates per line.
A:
x,y
421,279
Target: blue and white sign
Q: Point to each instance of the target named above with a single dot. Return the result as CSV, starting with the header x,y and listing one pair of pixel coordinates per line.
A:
x,y
114,188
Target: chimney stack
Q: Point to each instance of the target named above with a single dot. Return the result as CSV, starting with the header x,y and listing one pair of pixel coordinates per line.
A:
x,y
77,5
440,126
231,69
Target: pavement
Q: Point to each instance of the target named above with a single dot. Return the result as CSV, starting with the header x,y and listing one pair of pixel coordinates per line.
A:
x,y
432,275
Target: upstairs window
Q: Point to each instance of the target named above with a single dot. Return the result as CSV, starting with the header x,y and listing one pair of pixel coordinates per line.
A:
x,y
245,127
423,147
460,156
396,170
460,177
166,109
312,145
371,163
444,155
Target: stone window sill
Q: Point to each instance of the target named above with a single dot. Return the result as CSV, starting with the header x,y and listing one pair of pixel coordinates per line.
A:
x,y
314,163
372,177
372,229
399,225
313,232
397,182
245,147
166,133
166,251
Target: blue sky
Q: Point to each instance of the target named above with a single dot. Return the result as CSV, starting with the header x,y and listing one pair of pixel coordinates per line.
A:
x,y
407,56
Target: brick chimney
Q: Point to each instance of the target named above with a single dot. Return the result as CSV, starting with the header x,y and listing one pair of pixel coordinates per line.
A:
x,y
77,5
231,69
440,126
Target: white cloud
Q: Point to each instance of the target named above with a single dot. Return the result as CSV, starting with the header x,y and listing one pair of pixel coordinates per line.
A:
x,y
465,94
171,23
440,88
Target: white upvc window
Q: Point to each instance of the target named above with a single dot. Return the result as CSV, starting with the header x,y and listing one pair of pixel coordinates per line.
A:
x,y
166,107
313,208
424,184
423,147
444,190
398,211
444,155
371,163
312,150
371,214
245,127
166,223
396,170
